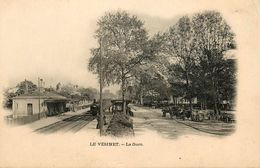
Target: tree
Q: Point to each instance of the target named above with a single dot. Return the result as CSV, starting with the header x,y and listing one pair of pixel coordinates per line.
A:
x,y
123,42
153,85
68,90
8,95
199,46
108,94
21,88
180,46
90,93
26,87
58,86
177,80
213,37
152,76
228,81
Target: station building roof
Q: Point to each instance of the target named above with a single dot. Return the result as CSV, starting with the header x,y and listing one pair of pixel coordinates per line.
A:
x,y
41,95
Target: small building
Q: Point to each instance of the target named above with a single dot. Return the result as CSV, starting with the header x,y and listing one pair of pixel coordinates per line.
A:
x,y
41,104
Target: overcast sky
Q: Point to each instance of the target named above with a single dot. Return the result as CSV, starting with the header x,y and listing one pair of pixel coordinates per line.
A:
x,y
52,39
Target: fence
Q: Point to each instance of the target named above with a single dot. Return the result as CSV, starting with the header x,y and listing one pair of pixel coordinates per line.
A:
x,y
80,107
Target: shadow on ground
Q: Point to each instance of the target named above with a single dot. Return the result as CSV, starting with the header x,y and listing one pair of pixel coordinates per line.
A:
x,y
151,119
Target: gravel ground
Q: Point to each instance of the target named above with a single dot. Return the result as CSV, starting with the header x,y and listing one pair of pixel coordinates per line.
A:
x,y
148,119
218,128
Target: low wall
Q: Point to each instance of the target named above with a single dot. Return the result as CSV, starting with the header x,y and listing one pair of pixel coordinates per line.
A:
x,y
23,120
28,119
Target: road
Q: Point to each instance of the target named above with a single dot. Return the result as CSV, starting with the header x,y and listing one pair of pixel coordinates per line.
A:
x,y
151,119
144,119
72,124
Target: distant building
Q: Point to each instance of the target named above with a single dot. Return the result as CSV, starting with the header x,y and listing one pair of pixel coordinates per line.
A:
x,y
183,100
45,103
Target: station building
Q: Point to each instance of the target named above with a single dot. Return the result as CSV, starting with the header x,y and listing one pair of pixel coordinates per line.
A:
x,y
38,103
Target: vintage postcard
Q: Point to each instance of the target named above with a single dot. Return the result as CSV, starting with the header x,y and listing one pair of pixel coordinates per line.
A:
x,y
131,83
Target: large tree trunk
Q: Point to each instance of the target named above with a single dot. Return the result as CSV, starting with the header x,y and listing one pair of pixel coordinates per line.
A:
x,y
218,101
190,101
215,97
171,99
213,84
205,103
123,94
141,97
215,106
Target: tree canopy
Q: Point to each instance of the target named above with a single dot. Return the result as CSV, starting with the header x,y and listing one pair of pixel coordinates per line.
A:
x,y
123,46
187,60
199,45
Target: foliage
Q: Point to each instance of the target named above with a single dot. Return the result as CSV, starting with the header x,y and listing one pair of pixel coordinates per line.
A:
x,y
151,78
199,45
180,46
31,87
7,102
213,37
89,93
124,46
123,39
21,88
75,92
188,60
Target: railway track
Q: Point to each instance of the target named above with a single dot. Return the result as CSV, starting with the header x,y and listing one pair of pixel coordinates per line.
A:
x,y
71,124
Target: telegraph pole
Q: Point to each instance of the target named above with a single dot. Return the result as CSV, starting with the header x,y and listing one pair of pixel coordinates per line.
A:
x,y
100,89
39,98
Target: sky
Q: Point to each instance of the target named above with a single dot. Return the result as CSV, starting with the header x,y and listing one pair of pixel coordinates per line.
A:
x,y
52,39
